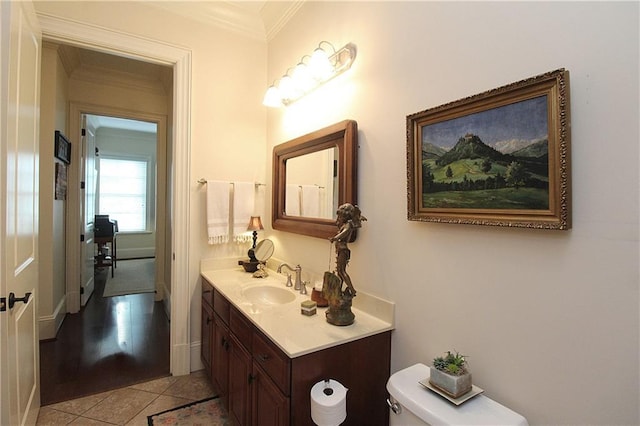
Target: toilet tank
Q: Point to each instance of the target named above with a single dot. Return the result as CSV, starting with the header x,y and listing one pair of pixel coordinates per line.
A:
x,y
417,405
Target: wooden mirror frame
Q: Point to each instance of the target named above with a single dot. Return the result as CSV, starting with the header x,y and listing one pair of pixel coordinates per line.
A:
x,y
342,135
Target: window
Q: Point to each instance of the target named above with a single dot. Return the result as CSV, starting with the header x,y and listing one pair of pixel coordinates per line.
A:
x,y
123,192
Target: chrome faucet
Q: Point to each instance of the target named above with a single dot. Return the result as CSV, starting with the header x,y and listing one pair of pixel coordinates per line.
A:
x,y
298,270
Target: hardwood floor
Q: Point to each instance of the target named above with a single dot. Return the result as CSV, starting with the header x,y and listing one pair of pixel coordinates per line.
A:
x,y
113,342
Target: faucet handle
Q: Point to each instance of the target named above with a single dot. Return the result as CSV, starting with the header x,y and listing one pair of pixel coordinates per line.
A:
x,y
289,283
303,287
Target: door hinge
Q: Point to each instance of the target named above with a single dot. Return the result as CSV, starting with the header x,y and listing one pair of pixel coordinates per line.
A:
x,y
81,290
81,237
82,184
84,132
3,304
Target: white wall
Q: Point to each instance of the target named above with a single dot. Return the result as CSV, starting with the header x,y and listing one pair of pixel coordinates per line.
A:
x,y
549,319
53,116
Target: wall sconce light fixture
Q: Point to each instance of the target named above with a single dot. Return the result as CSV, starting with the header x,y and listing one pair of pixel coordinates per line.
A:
x,y
312,71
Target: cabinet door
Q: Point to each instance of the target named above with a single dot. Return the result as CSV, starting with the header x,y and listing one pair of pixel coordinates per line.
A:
x,y
220,360
207,334
240,378
269,406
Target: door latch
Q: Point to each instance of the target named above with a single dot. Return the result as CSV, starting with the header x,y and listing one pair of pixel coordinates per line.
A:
x,y
12,301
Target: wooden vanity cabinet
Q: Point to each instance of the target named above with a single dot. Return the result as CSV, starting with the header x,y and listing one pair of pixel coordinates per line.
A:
x,y
270,407
207,322
220,347
262,386
215,340
240,378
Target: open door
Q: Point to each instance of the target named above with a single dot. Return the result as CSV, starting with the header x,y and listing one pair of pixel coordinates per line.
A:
x,y
87,209
20,42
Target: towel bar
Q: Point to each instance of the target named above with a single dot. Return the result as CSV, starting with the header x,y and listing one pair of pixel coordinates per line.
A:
x,y
202,181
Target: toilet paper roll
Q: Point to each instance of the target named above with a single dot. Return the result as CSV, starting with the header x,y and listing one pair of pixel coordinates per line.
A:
x,y
328,403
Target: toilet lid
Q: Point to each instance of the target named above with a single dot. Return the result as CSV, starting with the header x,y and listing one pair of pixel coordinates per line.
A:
x,y
403,386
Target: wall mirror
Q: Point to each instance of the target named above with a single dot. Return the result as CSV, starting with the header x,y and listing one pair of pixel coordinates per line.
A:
x,y
312,176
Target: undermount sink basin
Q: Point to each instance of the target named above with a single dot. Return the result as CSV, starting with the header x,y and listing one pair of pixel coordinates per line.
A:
x,y
270,295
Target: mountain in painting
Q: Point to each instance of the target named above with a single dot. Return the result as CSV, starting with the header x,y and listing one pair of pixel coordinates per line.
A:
x,y
470,146
511,145
432,152
537,149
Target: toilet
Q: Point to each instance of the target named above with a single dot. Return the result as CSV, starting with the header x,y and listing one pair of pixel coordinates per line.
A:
x,y
414,405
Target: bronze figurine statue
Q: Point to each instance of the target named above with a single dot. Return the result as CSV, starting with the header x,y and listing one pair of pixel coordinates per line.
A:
x,y
349,219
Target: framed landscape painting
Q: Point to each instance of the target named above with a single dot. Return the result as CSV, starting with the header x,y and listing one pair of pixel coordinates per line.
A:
x,y
498,158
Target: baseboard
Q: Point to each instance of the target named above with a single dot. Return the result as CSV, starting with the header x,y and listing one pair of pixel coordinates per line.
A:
x,y
86,293
50,324
73,301
136,253
160,291
196,359
181,358
166,301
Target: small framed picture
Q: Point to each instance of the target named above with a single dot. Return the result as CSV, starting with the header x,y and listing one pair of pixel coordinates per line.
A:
x,y
61,181
62,150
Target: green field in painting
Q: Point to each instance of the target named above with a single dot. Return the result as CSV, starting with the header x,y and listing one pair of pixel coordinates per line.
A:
x,y
506,198
472,170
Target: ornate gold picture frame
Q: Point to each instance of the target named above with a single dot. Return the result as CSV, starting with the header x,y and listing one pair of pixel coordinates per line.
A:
x,y
498,158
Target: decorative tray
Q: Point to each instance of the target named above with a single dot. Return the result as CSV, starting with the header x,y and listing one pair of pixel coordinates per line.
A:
x,y
457,401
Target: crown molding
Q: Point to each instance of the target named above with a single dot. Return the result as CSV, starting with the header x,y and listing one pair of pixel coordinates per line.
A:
x,y
226,15
260,20
276,14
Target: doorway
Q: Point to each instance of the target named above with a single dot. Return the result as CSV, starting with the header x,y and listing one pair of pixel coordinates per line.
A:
x,y
111,333
76,33
129,188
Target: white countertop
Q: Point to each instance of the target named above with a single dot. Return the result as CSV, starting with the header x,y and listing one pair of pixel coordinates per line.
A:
x,y
294,333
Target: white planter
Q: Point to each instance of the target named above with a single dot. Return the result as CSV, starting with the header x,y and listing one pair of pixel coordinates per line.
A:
x,y
454,386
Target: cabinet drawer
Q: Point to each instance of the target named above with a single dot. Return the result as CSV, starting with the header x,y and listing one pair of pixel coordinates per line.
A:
x,y
207,293
221,306
273,361
241,327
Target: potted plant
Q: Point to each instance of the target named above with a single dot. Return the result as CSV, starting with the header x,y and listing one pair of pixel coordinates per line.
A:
x,y
449,374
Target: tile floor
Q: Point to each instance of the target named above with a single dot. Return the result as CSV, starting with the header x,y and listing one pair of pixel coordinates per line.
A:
x,y
130,405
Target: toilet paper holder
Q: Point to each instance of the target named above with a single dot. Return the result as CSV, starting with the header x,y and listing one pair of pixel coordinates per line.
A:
x,y
328,390
328,403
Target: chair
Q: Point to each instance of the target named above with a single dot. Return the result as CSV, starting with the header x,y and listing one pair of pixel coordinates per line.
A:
x,y
105,232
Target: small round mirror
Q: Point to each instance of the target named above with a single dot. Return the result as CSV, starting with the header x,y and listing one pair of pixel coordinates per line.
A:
x,y
264,250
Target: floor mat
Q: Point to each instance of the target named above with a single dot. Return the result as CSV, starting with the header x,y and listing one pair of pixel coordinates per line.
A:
x,y
131,277
208,412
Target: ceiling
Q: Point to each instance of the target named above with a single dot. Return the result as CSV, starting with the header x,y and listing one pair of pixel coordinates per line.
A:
x,y
256,19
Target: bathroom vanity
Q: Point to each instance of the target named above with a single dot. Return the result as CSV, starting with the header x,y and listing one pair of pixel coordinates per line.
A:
x,y
264,356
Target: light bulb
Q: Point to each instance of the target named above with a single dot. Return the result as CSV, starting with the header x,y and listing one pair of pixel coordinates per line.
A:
x,y
320,66
272,97
289,89
302,77
286,87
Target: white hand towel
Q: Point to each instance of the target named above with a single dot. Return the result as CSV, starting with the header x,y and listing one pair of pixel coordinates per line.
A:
x,y
292,200
218,212
310,201
243,205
